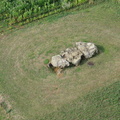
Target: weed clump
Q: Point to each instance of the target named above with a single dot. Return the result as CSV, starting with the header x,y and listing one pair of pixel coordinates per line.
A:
x,y
46,61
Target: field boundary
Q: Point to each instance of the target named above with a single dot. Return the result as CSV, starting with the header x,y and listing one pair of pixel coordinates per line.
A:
x,y
7,25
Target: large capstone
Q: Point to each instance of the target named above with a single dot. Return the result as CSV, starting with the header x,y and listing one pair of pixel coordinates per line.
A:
x,y
72,55
88,49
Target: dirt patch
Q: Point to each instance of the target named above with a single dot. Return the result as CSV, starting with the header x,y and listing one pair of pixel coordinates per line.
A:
x,y
5,104
1,99
91,63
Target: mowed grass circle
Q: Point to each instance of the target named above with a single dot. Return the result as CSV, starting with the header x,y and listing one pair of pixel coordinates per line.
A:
x,y
34,90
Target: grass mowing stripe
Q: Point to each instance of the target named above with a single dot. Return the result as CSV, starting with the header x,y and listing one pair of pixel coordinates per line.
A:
x,y
103,104
36,91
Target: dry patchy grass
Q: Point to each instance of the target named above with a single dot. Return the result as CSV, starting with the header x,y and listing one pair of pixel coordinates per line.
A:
x,y
35,90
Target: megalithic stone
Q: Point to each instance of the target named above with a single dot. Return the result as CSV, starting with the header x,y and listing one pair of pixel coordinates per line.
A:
x,y
73,55
88,49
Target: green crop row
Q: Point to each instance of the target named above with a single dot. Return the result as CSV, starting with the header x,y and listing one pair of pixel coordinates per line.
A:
x,y
16,11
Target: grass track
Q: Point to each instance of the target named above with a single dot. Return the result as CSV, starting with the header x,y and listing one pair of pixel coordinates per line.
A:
x,y
35,91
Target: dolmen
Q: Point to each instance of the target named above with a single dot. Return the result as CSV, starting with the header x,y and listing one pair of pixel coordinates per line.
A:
x,y
73,56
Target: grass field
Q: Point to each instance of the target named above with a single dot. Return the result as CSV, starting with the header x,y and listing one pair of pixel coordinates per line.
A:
x,y
83,92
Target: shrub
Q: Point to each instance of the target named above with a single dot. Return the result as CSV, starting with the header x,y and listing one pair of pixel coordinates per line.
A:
x,y
11,21
26,15
65,4
19,18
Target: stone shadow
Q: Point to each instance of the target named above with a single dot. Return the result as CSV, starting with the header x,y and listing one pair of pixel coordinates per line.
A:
x,y
101,49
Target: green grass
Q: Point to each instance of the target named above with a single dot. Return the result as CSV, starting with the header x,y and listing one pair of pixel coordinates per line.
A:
x,y
103,104
3,115
46,61
35,92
